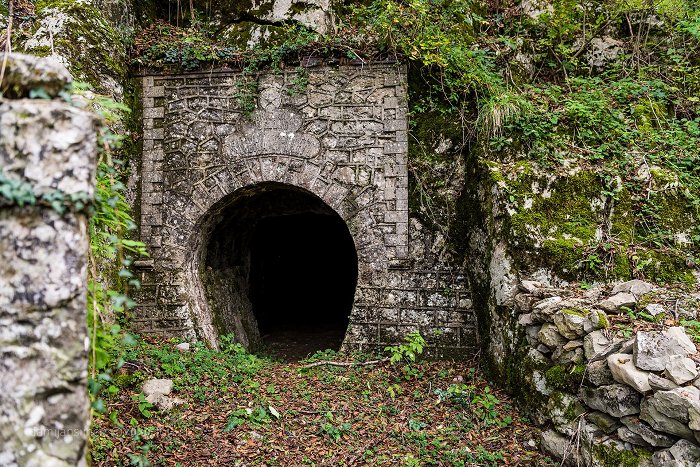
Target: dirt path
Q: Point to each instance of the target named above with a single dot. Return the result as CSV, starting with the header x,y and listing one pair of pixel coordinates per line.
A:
x,y
242,410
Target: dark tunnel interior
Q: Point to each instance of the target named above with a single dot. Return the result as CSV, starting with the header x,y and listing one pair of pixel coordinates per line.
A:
x,y
288,261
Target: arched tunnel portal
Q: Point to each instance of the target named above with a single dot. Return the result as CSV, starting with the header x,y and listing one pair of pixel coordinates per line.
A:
x,y
280,270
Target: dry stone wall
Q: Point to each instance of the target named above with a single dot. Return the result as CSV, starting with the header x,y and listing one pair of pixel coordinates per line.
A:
x,y
47,170
338,133
610,397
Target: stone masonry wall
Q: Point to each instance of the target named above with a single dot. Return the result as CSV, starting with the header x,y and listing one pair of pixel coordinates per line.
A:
x,y
342,136
47,159
608,396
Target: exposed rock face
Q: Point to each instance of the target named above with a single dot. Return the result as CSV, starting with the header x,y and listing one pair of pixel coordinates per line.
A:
x,y
652,350
46,149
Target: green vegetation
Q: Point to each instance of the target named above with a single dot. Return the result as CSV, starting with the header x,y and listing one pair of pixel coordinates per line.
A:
x,y
239,406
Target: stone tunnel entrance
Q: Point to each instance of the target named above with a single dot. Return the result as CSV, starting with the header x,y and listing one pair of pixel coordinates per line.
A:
x,y
280,271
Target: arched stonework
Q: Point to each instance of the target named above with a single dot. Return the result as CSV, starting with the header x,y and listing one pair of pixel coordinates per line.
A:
x,y
343,138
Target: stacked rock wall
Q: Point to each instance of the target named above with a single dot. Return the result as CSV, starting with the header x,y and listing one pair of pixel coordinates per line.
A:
x,y
610,395
47,168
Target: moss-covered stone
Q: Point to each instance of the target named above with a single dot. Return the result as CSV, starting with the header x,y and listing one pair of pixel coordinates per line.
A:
x,y
85,41
610,455
565,378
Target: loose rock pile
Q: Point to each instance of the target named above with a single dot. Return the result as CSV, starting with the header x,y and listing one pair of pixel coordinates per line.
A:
x,y
609,399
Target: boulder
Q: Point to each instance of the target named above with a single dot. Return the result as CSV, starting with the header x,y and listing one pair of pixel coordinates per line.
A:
x,y
650,436
571,324
667,411
617,301
681,369
549,335
25,73
598,344
624,371
599,374
694,419
652,350
615,399
635,287
660,384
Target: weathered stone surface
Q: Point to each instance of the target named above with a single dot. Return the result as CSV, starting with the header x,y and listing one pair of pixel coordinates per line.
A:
x,y
571,324
694,419
153,388
615,399
44,406
653,349
598,373
571,345
624,371
524,302
599,344
549,335
564,410
655,309
617,301
530,287
343,140
605,422
531,333
659,383
557,445
680,369
686,452
44,144
183,347
598,320
568,357
156,392
603,50
28,72
628,436
543,311
667,411
635,287
650,436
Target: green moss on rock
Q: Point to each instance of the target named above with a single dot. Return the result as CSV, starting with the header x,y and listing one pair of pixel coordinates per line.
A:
x,y
610,455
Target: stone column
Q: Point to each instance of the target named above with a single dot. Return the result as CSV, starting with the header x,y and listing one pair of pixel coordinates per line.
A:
x,y
47,163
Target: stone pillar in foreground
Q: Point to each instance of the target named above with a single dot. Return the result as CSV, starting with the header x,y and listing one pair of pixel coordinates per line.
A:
x,y
47,153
